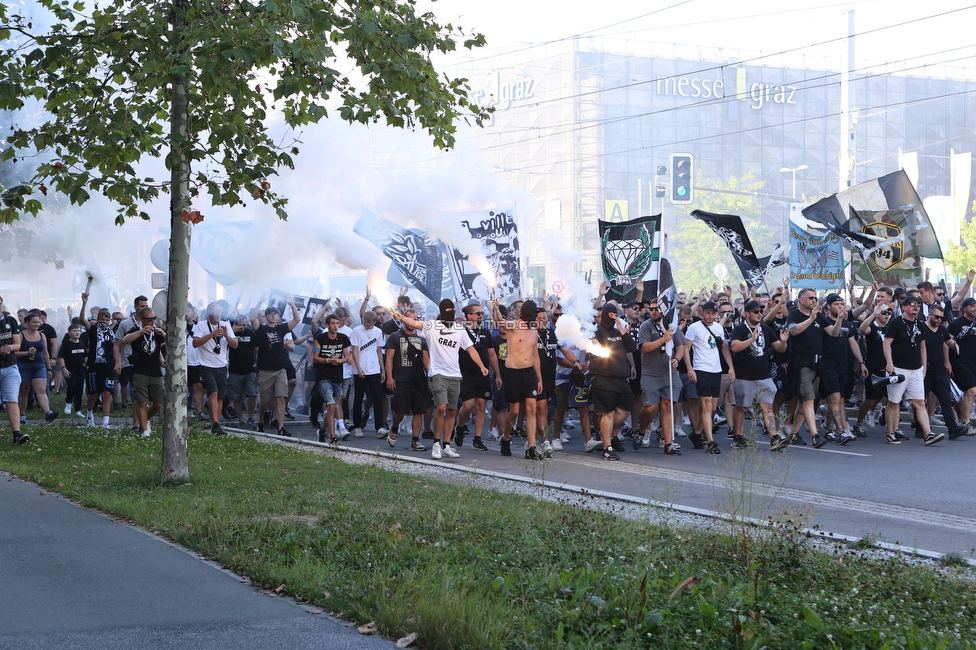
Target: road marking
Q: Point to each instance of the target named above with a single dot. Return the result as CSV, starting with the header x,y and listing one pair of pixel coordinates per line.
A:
x,y
828,451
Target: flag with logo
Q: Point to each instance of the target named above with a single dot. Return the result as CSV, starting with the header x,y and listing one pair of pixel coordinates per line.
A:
x,y
733,232
816,261
494,237
894,258
630,252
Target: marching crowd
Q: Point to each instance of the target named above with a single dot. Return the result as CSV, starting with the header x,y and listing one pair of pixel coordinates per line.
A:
x,y
652,370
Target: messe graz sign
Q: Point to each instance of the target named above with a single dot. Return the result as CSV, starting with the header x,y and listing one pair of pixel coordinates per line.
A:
x,y
757,94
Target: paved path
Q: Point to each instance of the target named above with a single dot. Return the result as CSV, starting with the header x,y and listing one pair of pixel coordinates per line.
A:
x,y
72,578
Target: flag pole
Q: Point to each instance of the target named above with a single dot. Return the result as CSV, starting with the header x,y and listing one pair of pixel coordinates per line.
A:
x,y
671,316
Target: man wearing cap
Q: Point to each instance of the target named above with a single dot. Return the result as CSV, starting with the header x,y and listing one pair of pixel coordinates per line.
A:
x,y
658,345
613,398
475,389
938,372
904,350
807,326
707,342
837,380
269,340
752,344
632,313
963,361
445,338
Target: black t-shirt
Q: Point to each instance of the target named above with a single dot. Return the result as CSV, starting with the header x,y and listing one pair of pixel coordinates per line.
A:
x,y
906,343
145,354
330,348
616,365
408,357
73,353
753,363
240,360
778,325
48,331
964,331
8,327
270,343
837,349
548,346
874,343
101,346
934,340
390,327
480,341
809,343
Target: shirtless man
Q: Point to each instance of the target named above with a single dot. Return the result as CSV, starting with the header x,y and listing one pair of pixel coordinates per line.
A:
x,y
523,377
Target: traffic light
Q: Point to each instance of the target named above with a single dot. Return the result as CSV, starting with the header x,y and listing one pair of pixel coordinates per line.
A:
x,y
682,178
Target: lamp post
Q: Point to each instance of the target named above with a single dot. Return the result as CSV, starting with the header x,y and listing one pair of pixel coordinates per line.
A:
x,y
793,170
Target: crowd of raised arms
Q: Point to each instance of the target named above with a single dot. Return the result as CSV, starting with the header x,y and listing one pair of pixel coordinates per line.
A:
x,y
716,359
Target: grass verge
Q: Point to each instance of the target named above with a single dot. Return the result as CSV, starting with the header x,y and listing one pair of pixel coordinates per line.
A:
x,y
470,568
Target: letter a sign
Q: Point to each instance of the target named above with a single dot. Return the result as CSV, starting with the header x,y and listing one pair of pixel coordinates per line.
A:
x,y
616,211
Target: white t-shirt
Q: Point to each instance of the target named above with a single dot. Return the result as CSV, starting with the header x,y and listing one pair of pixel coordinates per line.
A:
x,y
443,345
205,352
347,370
368,341
704,344
192,353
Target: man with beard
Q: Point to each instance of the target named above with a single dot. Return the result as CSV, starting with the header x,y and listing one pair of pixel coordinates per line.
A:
x,y
657,391
407,361
213,338
103,365
807,327
145,344
838,380
752,344
905,354
613,398
272,360
938,372
475,389
706,339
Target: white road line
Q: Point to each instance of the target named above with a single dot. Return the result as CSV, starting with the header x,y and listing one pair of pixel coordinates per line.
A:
x,y
828,451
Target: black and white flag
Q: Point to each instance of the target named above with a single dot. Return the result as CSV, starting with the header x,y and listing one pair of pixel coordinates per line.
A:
x,y
730,228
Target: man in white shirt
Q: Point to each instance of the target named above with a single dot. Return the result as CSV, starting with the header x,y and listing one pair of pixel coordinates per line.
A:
x,y
445,338
370,374
211,339
707,342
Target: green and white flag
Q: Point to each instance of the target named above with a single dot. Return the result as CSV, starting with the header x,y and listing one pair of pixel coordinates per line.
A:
x,y
631,252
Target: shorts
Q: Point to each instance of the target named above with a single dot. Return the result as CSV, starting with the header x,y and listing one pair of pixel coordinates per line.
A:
x,y
410,398
963,373
272,384
214,380
290,371
655,389
724,389
872,390
580,396
241,386
689,390
521,384
309,374
748,390
347,387
330,391
562,396
9,384
475,388
100,381
912,388
548,390
833,379
610,394
125,377
635,384
192,375
446,390
147,389
709,384
31,371
809,384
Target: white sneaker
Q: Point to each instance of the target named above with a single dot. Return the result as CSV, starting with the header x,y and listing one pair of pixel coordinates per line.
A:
x,y
494,434
67,409
557,444
564,437
341,426
406,428
106,422
383,433
547,448
646,439
450,453
870,419
356,432
592,443
148,431
91,419
436,451
569,424
685,421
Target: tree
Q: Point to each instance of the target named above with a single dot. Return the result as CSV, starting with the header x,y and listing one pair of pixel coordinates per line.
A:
x,y
696,248
195,82
958,258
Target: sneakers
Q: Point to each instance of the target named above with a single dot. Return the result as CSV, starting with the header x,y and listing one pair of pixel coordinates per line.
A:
x,y
547,449
858,431
288,415
148,431
459,433
557,444
21,438
341,426
506,447
739,442
391,439
382,433
90,420
646,440
321,433
282,431
416,446
901,437
847,437
23,419
480,446
819,441
448,452
719,420
608,454
830,436
50,416
313,419
428,435
436,451
713,449
565,437
870,419
344,434
936,420
778,443
592,444
532,454
959,430
933,438
672,450
797,439
493,432
106,422
216,430
696,440
892,440
357,432
616,444
67,409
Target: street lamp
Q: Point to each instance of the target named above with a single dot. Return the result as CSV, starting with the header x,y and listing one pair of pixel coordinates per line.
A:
x,y
793,170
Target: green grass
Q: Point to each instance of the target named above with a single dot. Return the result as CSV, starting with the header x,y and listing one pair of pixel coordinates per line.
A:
x,y
470,568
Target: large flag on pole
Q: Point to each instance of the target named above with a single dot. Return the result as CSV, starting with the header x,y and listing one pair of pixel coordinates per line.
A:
x,y
816,261
494,235
895,257
891,192
730,228
631,251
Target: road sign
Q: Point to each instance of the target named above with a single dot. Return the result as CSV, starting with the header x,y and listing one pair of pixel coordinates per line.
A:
x,y
557,286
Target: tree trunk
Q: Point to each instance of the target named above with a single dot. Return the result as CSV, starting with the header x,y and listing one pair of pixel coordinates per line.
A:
x,y
175,426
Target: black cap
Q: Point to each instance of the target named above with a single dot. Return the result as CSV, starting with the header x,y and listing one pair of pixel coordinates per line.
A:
x,y
271,310
710,306
633,303
832,298
897,291
752,305
968,301
911,300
